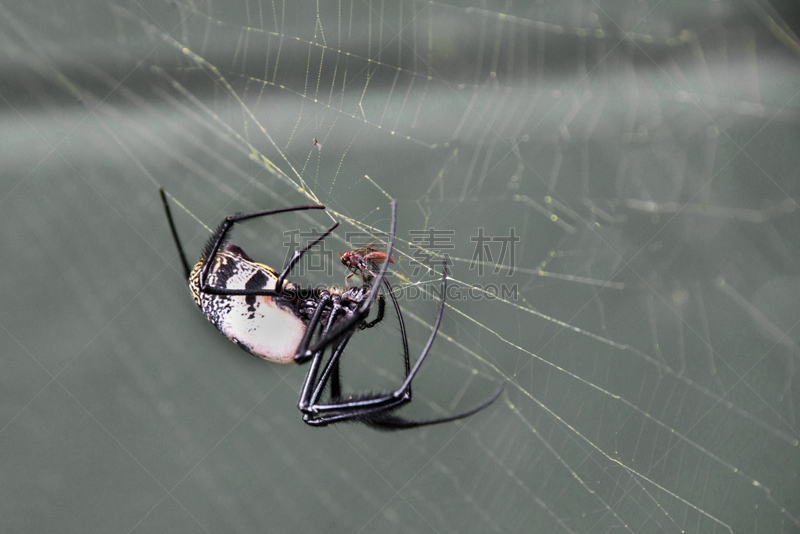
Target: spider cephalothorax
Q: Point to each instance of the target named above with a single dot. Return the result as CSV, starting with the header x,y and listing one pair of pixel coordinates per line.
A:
x,y
269,317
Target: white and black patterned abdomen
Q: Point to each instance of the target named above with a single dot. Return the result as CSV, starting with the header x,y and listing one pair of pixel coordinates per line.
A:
x,y
266,327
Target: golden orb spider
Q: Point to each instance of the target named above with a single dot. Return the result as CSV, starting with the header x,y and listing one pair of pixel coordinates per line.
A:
x,y
273,319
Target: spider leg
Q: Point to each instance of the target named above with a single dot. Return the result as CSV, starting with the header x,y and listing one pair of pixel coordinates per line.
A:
x,y
302,348
376,409
185,263
388,421
403,336
299,253
429,344
311,374
384,402
331,371
371,409
379,318
359,415
226,226
345,329
309,398
219,239
279,290
352,410
363,309
382,418
336,381
368,414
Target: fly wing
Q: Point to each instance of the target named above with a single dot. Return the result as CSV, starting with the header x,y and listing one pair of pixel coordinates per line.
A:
x,y
365,250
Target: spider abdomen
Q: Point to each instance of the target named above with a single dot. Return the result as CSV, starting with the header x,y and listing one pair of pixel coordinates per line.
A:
x,y
267,327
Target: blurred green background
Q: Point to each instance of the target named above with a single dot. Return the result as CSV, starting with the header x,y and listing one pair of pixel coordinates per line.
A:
x,y
646,154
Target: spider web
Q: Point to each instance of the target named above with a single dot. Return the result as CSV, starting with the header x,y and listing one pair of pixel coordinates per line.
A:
x,y
644,153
